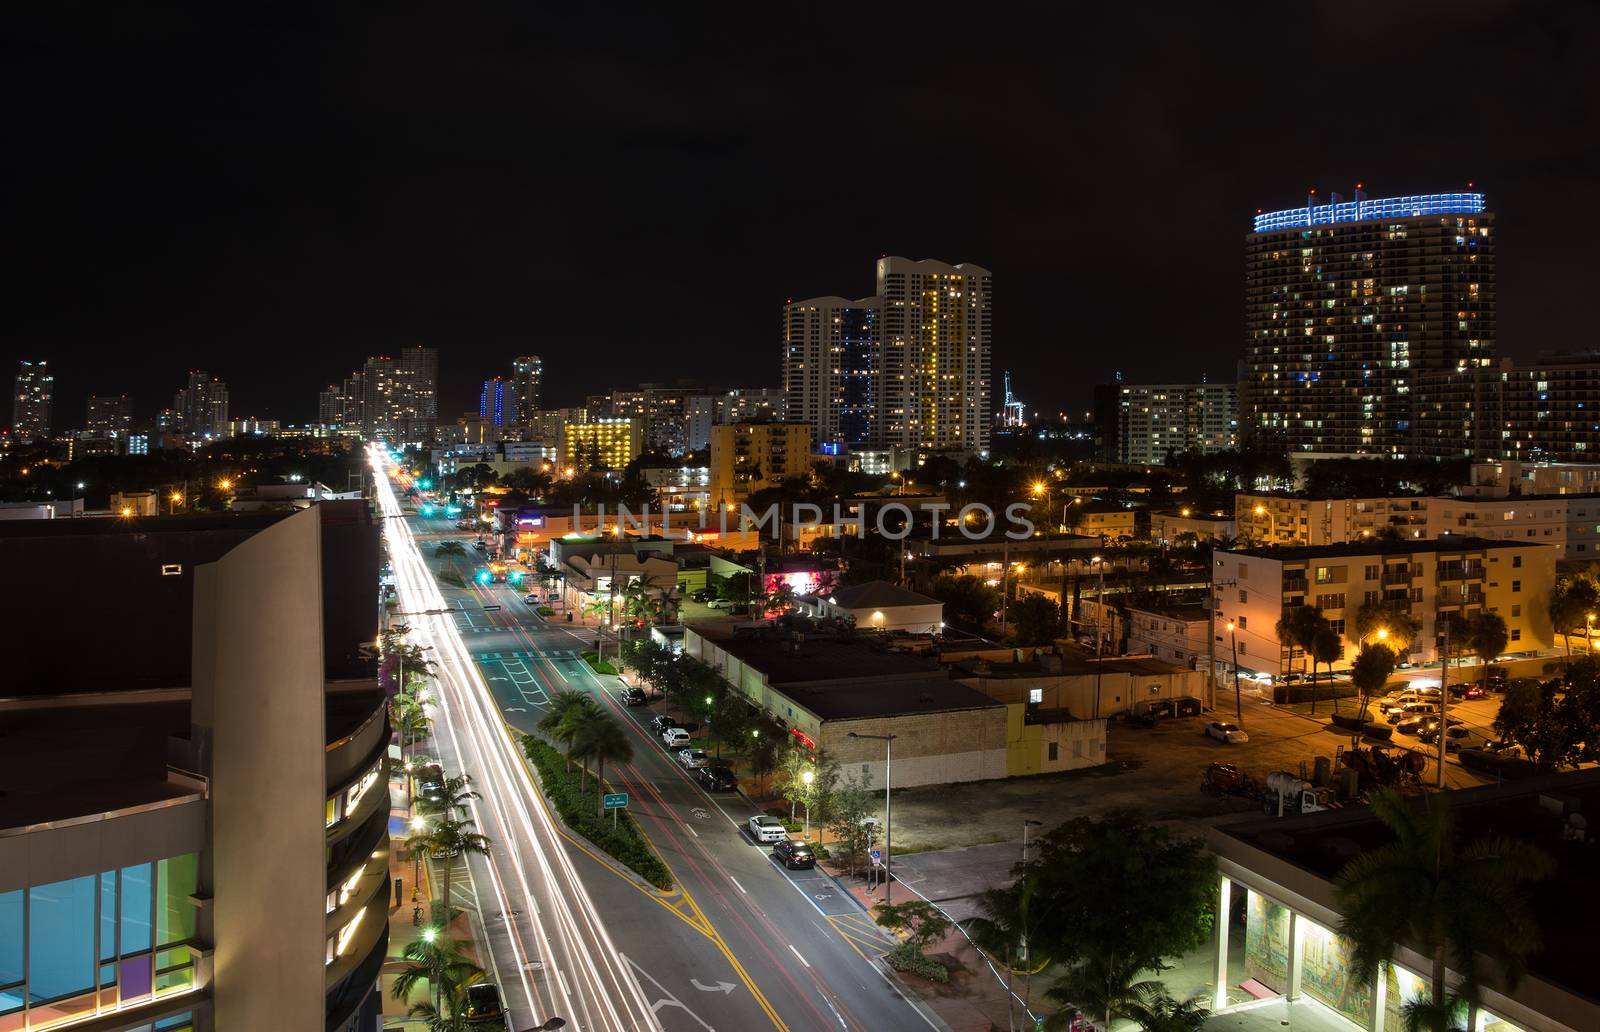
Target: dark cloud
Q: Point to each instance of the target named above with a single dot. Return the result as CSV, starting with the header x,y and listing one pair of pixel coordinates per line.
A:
x,y
634,195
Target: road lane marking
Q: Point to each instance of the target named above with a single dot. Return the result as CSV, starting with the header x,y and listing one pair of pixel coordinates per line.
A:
x,y
741,889
797,955
696,834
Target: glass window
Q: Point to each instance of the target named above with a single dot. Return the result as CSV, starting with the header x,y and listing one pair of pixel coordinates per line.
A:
x,y
176,1023
61,958
10,939
108,915
135,909
174,913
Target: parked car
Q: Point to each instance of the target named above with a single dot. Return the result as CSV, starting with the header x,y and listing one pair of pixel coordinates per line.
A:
x,y
792,854
704,594
1454,738
430,784
1467,690
693,758
764,828
674,737
1412,726
634,697
531,600
480,546
716,779
1225,732
719,603
660,722
1410,711
483,1007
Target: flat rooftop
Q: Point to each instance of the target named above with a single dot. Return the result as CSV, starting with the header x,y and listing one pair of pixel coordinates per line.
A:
x,y
1534,810
1450,543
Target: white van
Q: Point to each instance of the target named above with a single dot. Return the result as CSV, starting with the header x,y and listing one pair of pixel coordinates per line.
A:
x,y
673,737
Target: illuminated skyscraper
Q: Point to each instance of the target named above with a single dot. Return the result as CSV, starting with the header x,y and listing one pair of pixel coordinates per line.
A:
x,y
498,401
108,415
30,401
830,367
934,356
202,407
1366,323
527,374
416,397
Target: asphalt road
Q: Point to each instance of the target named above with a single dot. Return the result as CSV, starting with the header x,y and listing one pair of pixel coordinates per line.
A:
x,y
740,943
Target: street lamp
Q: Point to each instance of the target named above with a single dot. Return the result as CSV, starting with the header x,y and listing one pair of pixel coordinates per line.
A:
x,y
888,759
806,778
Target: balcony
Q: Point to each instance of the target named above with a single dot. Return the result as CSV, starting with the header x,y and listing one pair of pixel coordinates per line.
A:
x,y
1402,576
1460,571
1450,598
1294,585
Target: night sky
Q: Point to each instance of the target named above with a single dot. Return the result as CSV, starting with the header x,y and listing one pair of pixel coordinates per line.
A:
x,y
634,197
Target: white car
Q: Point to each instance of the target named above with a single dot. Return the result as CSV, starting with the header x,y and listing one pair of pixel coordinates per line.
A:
x,y
1225,732
693,758
766,829
720,603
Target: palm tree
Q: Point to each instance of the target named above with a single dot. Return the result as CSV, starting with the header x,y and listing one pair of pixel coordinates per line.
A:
x,y
1445,900
1394,618
1487,637
1006,918
557,721
453,837
1102,987
437,960
454,796
1158,1012
449,548
1326,645
1370,672
600,738
1299,626
1571,603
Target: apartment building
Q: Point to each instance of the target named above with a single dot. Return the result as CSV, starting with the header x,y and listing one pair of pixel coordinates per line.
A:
x,y
605,443
1169,527
1432,580
1286,519
1568,523
746,457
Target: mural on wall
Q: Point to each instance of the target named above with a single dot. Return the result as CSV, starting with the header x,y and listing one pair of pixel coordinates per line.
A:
x,y
1266,942
1325,974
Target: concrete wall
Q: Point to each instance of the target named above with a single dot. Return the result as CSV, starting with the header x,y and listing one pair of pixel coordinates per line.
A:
x,y
1078,743
263,693
929,748
1119,690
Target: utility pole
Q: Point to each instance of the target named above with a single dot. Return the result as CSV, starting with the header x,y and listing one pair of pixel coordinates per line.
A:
x,y
888,759
1444,702
1238,702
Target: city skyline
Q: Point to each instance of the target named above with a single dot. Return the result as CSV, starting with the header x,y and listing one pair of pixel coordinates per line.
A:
x,y
343,264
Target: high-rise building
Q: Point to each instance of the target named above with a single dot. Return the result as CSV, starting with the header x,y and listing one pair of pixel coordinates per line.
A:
x,y
527,373
830,367
30,401
1366,323
417,393
746,457
934,356
1546,409
202,407
497,403
1144,423
330,406
108,416
547,425
663,411
606,443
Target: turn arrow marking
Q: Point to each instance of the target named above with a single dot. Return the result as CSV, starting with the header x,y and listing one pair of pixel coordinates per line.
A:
x,y
726,988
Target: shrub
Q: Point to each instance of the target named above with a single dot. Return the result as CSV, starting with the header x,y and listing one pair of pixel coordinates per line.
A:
x,y
451,578
544,611
576,805
1508,768
1382,732
907,958
599,665
1291,693
1347,722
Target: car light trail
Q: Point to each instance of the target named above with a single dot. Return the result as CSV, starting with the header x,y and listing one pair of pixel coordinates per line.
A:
x,y
584,980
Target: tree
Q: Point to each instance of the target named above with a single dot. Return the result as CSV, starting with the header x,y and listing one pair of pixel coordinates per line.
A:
x,y
792,769
449,548
852,804
599,737
1487,637
1532,719
454,797
1116,897
1299,626
444,837
438,960
1448,901
561,719
1326,647
1370,672
968,601
1570,605
1035,619
1399,628
1007,917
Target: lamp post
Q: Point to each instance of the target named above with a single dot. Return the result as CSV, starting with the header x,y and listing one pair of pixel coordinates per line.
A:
x,y
888,758
1588,634
1025,826
418,825
1238,704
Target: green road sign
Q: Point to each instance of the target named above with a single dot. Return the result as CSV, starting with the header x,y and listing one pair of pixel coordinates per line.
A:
x,y
616,800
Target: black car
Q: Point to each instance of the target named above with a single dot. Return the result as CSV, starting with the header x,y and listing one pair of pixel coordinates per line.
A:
x,y
484,1010
634,696
430,784
660,722
704,595
794,854
717,779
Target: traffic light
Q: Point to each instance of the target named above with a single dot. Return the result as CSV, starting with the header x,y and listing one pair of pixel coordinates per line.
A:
x,y
427,510
425,484
483,576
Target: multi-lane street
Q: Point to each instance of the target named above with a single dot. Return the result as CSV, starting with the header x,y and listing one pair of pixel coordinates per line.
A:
x,y
739,943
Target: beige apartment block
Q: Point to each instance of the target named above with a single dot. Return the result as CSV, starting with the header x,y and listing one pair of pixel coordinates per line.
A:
x,y
1432,580
1280,519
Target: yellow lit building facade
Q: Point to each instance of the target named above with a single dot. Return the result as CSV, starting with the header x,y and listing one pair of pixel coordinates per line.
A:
x,y
746,457
610,443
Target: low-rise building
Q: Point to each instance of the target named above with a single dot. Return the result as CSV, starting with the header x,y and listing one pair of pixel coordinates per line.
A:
x,y
1508,477
1112,524
1281,946
879,606
1174,527
1178,635
746,457
1289,519
1083,686
609,443
1429,579
1570,523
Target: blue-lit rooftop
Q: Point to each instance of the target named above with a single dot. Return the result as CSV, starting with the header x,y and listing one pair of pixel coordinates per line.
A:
x,y
1371,208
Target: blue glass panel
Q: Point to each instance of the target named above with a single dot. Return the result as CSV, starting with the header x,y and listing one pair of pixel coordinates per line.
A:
x,y
177,1021
10,938
108,915
108,975
61,958
135,909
